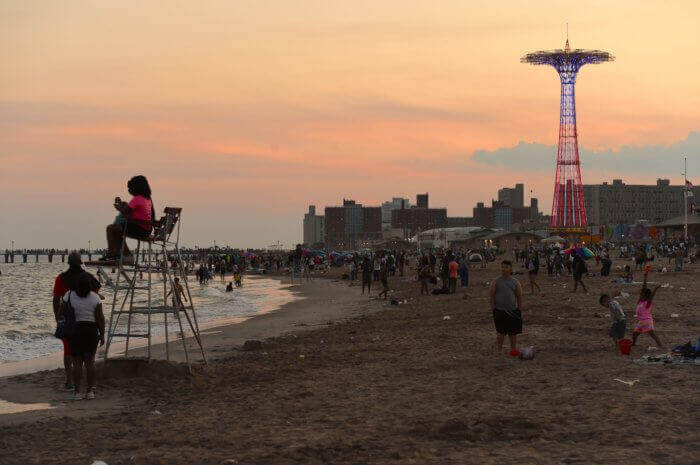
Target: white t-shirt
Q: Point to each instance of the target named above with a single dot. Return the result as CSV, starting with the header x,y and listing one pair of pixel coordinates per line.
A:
x,y
84,307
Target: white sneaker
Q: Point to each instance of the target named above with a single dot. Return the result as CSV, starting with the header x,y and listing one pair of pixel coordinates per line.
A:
x,y
90,394
76,396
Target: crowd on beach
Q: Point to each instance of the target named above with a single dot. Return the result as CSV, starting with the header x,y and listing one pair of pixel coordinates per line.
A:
x,y
81,324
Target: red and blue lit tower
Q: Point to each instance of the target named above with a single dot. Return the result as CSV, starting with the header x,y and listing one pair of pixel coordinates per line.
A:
x,y
568,210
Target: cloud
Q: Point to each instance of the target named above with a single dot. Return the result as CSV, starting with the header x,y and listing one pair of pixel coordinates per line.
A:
x,y
659,160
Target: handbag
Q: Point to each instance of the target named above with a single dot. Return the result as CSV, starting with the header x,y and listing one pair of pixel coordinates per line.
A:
x,y
65,327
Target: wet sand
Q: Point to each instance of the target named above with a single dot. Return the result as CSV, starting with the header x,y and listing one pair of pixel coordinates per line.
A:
x,y
388,384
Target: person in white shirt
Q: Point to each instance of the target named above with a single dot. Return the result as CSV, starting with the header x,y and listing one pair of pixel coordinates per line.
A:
x,y
89,329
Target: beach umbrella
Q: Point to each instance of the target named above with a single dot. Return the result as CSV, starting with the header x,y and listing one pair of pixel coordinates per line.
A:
x,y
585,252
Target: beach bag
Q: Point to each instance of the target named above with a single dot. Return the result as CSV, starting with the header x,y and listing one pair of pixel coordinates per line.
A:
x,y
65,327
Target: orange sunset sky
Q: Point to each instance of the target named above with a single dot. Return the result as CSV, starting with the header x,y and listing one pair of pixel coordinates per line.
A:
x,y
245,112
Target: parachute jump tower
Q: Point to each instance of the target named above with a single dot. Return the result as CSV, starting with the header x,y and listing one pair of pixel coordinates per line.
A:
x,y
568,209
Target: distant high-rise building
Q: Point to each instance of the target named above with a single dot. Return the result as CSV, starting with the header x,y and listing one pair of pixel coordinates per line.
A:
x,y
534,210
418,218
395,204
500,215
349,225
610,204
422,200
414,220
314,227
512,196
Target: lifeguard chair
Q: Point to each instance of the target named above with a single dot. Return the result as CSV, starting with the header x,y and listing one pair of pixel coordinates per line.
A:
x,y
151,260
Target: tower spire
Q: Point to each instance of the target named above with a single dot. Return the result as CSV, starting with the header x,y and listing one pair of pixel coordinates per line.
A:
x,y
567,49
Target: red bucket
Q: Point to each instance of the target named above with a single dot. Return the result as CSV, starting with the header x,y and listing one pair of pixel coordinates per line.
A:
x,y
625,346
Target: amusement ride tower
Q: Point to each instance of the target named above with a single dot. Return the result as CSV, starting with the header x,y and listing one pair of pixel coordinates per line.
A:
x,y
568,210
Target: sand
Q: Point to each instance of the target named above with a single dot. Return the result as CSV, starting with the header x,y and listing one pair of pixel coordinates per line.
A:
x,y
387,384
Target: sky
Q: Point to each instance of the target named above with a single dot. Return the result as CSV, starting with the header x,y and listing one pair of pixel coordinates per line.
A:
x,y
243,113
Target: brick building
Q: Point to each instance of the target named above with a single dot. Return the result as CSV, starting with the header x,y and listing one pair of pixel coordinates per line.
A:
x,y
347,226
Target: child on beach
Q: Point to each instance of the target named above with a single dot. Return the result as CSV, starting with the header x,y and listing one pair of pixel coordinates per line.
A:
x,y
178,293
645,321
237,278
619,321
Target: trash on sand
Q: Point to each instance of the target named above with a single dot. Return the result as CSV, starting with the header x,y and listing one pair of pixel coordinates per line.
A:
x,y
682,288
527,353
674,315
651,348
302,356
629,383
665,285
664,270
624,295
446,317
99,462
156,412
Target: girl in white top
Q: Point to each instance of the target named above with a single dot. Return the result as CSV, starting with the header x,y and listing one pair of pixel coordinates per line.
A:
x,y
89,329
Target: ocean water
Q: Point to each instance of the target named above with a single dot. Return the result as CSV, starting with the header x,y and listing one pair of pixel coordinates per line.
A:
x,y
26,313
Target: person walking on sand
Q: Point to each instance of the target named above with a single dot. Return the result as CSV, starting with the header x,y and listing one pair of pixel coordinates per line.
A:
x,y
423,276
533,267
453,271
464,270
367,270
645,321
89,329
506,303
579,269
64,282
384,277
617,314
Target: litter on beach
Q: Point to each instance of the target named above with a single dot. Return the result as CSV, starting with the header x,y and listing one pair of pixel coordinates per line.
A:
x,y
446,317
629,383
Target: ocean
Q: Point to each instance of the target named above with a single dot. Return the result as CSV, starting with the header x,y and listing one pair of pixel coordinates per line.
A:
x,y
26,313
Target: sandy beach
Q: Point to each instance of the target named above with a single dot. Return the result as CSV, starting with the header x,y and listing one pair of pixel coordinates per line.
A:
x,y
341,378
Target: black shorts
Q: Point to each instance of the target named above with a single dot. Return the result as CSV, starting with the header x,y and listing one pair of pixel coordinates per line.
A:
x,y
135,231
532,272
618,328
510,323
85,338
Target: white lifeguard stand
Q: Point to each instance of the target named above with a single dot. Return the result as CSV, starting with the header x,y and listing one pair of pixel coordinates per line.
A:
x,y
146,262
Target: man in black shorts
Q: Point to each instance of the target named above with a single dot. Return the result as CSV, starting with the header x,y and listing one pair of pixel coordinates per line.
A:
x,y
506,302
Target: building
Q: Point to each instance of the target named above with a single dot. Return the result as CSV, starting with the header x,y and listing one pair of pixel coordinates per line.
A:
x,y
314,227
460,222
422,200
502,216
512,196
418,218
620,203
675,227
396,203
351,224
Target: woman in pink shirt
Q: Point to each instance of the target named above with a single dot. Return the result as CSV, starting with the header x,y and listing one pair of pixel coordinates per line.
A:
x,y
135,219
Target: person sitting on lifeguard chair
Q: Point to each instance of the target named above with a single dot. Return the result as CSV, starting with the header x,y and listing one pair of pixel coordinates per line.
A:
x,y
135,219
